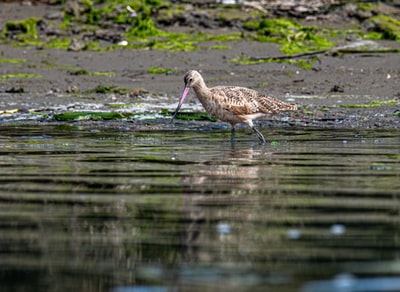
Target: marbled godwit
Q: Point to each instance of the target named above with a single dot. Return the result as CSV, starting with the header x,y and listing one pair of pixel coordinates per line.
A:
x,y
232,104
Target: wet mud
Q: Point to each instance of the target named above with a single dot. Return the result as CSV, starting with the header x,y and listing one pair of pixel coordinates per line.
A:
x,y
354,90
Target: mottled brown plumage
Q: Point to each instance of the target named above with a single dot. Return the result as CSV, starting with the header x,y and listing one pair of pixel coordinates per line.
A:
x,y
232,104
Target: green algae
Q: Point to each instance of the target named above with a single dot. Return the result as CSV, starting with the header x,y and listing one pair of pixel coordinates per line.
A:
x,y
145,28
274,143
175,42
169,14
144,32
190,116
366,6
141,31
104,116
220,47
371,104
109,89
61,43
14,61
293,37
386,27
160,70
103,74
20,75
22,30
93,116
79,71
142,25
234,14
120,105
243,59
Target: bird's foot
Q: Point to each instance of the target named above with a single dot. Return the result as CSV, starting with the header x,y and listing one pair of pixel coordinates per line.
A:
x,y
233,136
259,135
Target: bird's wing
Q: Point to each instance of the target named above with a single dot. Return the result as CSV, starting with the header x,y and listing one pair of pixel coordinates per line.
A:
x,y
237,100
246,101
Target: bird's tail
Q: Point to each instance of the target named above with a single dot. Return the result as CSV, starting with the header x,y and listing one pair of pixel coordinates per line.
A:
x,y
290,107
273,106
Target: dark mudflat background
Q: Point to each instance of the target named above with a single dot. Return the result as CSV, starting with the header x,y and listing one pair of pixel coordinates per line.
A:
x,y
320,92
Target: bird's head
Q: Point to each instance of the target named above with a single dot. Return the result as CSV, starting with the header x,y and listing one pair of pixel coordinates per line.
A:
x,y
191,79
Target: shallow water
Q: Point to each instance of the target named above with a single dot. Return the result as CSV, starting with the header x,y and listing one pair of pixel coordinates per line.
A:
x,y
114,210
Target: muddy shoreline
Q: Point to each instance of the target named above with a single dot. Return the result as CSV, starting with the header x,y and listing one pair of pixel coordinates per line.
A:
x,y
351,90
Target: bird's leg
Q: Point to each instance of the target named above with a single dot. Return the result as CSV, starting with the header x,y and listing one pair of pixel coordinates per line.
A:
x,y
259,135
233,135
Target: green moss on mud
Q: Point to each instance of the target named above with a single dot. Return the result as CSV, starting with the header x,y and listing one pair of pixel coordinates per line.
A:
x,y
22,30
141,31
366,6
170,14
190,116
145,28
371,104
20,75
160,70
79,71
109,89
94,116
16,61
220,47
234,14
387,27
302,63
293,37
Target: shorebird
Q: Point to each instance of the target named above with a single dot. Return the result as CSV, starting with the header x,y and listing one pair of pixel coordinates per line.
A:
x,y
232,104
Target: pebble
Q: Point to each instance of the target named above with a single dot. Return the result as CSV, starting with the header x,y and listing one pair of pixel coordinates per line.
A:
x,y
223,228
338,229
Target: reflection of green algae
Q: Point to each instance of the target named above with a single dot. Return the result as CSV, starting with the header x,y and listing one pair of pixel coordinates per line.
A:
x,y
20,75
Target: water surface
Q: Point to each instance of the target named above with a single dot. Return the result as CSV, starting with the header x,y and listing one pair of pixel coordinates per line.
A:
x,y
115,210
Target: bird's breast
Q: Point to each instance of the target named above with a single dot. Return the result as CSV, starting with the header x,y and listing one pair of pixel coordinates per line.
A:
x,y
221,111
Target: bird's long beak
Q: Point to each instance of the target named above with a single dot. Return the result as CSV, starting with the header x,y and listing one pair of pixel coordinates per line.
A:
x,y
185,92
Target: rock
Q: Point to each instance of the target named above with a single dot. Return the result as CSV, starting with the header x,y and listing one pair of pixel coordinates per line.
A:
x,y
76,45
54,15
15,90
337,88
72,89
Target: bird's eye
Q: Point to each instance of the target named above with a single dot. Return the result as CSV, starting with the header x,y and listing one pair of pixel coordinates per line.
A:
x,y
190,80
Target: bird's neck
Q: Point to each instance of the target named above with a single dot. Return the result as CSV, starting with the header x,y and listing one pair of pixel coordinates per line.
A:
x,y
202,91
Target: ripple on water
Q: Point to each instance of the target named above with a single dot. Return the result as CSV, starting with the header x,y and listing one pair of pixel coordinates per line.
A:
x,y
107,209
